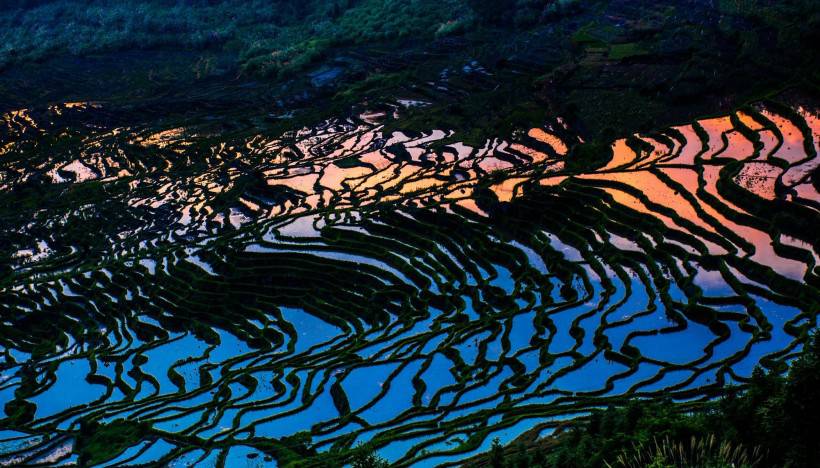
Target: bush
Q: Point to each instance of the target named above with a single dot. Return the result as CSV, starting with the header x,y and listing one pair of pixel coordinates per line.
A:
x,y
770,423
258,30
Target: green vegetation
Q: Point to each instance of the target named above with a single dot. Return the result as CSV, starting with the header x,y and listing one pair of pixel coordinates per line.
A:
x,y
141,242
368,460
771,422
622,51
610,68
269,37
97,443
697,452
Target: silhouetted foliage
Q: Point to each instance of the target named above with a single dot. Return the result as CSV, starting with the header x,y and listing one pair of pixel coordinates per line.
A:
x,y
775,415
493,11
366,459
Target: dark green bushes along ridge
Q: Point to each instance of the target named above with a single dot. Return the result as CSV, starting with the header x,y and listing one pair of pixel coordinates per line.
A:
x,y
269,37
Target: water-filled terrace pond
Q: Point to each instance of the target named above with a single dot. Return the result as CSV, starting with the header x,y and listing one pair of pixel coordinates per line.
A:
x,y
202,296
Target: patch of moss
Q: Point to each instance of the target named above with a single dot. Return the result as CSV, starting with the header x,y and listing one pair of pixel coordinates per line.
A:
x,y
622,51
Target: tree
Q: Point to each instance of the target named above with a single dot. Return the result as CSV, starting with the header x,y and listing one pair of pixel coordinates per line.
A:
x,y
497,454
800,411
493,11
367,459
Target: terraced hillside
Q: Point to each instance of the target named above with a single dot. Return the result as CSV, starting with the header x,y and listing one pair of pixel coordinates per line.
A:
x,y
203,291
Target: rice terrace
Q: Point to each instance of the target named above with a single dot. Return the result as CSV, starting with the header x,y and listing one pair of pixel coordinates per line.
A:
x,y
370,233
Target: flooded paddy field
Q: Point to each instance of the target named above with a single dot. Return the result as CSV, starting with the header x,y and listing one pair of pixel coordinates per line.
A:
x,y
204,290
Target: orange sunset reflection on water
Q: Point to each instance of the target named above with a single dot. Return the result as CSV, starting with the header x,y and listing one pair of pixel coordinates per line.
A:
x,y
666,178
674,176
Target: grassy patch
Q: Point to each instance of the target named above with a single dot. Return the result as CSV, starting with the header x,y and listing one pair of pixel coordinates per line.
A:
x,y
622,51
97,443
